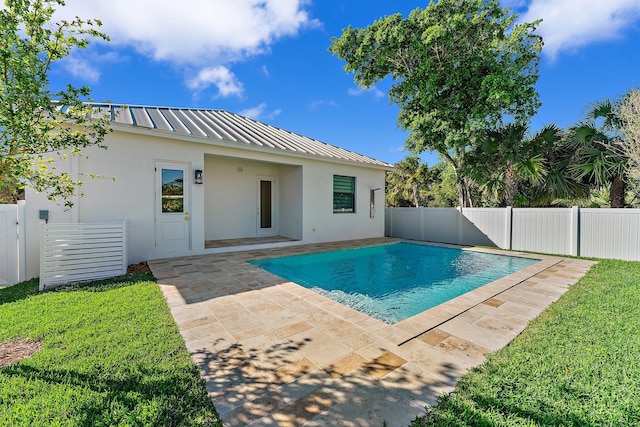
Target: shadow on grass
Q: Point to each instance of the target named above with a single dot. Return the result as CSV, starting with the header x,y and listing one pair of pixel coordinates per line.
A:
x,y
19,291
107,284
135,396
485,410
30,288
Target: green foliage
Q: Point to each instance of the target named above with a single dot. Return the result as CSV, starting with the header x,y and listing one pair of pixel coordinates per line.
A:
x,y
504,159
405,186
458,67
519,170
577,364
598,158
111,355
416,184
34,131
442,191
629,114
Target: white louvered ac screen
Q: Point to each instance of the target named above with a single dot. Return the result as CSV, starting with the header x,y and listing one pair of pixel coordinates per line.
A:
x,y
71,253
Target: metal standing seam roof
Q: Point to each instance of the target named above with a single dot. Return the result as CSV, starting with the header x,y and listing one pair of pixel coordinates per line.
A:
x,y
225,126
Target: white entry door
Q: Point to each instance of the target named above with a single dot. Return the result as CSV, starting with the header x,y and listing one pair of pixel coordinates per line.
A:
x,y
172,207
266,212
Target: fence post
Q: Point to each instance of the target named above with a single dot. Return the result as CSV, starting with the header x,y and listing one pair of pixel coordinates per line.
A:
x,y
459,242
22,241
575,231
508,228
43,227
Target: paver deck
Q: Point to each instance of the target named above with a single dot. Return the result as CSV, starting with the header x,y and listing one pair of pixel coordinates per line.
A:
x,y
274,353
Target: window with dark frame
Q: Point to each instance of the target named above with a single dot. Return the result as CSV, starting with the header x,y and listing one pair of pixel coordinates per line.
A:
x,y
344,194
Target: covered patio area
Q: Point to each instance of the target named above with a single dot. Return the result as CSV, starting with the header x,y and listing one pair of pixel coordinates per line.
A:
x,y
249,241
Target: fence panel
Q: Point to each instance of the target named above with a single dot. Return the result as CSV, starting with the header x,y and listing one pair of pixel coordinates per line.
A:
x,y
404,223
79,252
440,225
546,230
9,271
486,227
599,233
610,233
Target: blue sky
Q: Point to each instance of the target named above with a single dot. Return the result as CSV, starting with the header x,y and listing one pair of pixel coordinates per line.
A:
x,y
268,59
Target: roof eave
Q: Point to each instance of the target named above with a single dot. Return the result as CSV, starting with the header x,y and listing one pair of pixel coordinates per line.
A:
x,y
122,127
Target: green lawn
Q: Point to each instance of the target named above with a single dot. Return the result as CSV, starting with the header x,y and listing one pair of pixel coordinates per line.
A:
x,y
111,355
577,364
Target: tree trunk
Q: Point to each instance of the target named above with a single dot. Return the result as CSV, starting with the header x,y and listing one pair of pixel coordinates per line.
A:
x,y
616,194
511,186
416,195
464,194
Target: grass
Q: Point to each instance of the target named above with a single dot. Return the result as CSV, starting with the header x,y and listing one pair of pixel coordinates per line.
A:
x,y
577,364
111,355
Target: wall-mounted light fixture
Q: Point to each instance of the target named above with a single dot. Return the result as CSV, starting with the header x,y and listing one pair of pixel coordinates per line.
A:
x,y
372,202
197,176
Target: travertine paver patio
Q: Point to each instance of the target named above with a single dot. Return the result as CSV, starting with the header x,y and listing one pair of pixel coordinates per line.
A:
x,y
275,353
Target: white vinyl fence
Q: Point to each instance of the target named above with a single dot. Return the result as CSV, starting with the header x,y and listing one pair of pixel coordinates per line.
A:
x,y
12,244
600,233
79,252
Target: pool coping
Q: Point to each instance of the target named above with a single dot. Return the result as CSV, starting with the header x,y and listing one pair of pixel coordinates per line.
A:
x,y
269,349
423,322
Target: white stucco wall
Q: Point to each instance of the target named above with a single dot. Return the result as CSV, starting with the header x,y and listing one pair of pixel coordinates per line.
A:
x,y
291,201
224,207
320,223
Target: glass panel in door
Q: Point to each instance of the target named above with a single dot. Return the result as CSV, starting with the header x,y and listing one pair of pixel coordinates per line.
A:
x,y
172,191
265,204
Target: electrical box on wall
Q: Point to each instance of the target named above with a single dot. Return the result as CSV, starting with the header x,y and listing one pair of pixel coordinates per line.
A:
x,y
44,214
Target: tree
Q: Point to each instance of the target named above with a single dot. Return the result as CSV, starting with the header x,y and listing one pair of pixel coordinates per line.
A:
x,y
36,124
504,159
442,191
559,184
457,68
597,146
629,114
404,185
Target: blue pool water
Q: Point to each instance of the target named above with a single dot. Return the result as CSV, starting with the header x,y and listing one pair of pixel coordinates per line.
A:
x,y
396,281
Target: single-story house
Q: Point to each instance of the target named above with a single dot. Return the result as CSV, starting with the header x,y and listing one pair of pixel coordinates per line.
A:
x,y
186,178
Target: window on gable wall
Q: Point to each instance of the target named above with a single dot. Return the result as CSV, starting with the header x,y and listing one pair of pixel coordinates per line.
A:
x,y
344,194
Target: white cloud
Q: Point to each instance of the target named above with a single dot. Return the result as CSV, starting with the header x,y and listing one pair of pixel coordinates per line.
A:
x,y
220,76
265,71
571,24
359,91
258,112
87,66
320,103
194,32
80,68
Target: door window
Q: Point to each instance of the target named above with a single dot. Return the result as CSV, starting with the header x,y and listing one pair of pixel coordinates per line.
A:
x,y
172,191
265,204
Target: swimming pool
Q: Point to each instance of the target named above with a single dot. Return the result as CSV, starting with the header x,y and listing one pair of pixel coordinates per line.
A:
x,y
395,281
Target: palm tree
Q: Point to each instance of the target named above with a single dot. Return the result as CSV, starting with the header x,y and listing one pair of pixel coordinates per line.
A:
x,y
505,159
404,185
559,183
597,155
